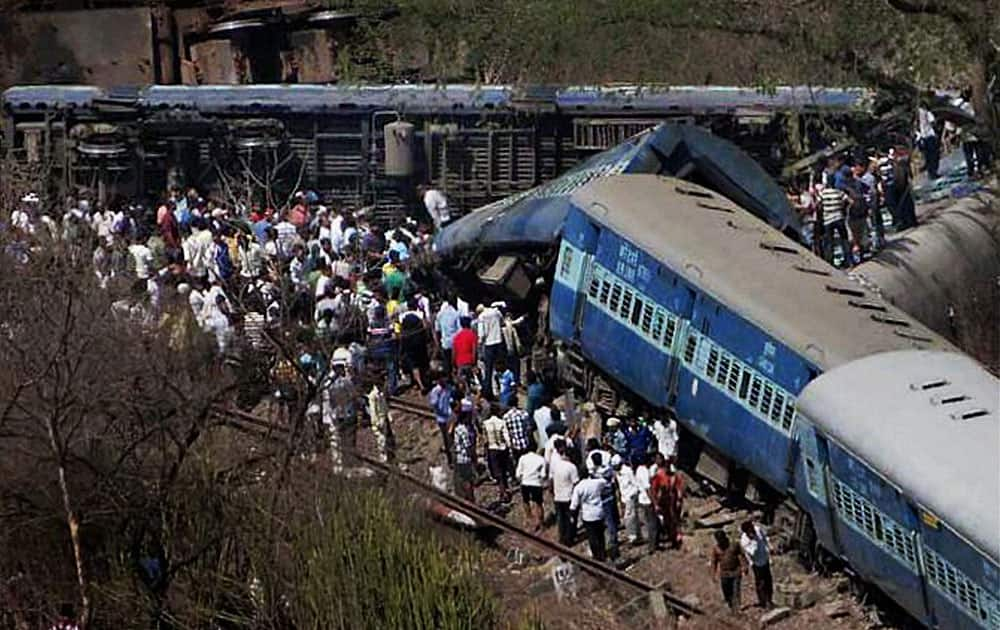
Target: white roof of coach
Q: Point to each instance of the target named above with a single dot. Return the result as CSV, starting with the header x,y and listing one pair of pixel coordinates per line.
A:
x,y
926,421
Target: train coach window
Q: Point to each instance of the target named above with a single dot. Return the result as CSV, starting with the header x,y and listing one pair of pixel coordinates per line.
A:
x,y
713,363
788,415
745,380
647,318
755,388
595,284
637,313
668,338
616,297
658,319
777,408
725,364
766,398
690,349
734,377
605,291
626,309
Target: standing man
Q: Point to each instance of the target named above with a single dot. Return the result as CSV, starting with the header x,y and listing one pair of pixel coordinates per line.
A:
x,y
531,473
564,477
588,501
437,206
440,403
665,432
833,201
465,456
498,451
446,326
490,324
339,414
927,140
754,543
464,350
519,431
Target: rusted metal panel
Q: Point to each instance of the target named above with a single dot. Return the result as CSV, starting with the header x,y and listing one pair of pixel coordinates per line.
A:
x,y
217,61
104,47
315,55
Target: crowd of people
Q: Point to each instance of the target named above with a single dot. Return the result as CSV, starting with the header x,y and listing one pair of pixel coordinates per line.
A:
x,y
365,326
846,203
844,206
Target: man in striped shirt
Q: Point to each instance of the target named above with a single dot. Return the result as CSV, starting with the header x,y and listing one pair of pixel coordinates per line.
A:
x,y
833,202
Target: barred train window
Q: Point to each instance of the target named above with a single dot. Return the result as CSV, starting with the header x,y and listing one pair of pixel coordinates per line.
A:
x,y
724,366
765,402
658,320
744,384
605,291
647,318
734,377
595,283
777,408
616,296
689,350
713,363
668,338
637,312
788,415
567,261
626,309
755,392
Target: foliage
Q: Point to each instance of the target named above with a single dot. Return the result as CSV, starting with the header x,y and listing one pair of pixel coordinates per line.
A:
x,y
124,493
362,556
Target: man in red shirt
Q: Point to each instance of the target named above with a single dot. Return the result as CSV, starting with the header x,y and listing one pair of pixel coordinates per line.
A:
x,y
463,348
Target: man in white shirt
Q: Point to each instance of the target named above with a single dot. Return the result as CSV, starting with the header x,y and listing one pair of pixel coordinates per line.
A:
x,y
643,482
665,433
498,451
543,418
198,250
142,258
588,501
564,477
629,489
531,473
437,206
489,322
753,541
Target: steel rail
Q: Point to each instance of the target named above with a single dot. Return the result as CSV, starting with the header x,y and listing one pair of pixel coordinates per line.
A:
x,y
590,565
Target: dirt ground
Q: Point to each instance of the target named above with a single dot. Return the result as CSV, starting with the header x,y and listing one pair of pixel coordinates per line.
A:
x,y
521,573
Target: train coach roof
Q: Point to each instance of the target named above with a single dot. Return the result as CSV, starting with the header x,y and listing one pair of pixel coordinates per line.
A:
x,y
764,277
928,422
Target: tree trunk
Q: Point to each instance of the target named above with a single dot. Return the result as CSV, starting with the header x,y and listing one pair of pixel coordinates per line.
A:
x,y
73,521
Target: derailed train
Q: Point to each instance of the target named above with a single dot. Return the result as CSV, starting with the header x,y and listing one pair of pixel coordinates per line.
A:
x,y
886,438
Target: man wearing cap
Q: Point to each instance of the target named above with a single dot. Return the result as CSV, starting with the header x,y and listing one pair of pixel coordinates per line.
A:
x,y
615,437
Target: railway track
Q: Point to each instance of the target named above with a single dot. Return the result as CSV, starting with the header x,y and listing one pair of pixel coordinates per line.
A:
x,y
410,406
249,423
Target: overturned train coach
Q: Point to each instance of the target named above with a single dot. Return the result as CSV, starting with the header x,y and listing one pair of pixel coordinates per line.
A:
x,y
780,366
477,143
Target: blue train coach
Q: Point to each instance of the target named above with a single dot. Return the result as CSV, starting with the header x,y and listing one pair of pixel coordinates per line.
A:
x,y
695,305
898,469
